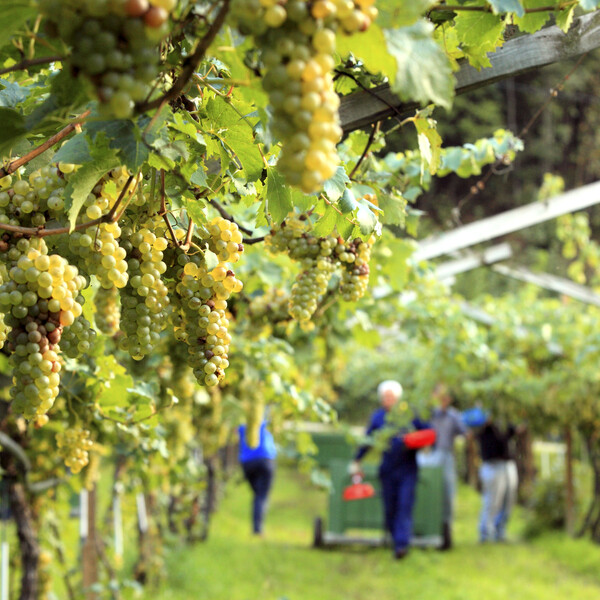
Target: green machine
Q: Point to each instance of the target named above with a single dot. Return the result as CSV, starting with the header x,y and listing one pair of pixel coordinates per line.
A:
x,y
362,521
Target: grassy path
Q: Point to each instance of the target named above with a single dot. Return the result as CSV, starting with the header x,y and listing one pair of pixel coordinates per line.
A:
x,y
234,566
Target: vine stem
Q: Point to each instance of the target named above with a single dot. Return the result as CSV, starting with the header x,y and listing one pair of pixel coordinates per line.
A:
x,y
32,62
41,232
61,135
163,208
374,131
190,64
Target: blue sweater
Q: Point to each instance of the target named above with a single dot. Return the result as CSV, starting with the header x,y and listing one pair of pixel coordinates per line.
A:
x,y
266,445
397,457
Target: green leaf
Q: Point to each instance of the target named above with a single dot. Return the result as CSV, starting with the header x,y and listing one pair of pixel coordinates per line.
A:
x,y
423,71
335,186
394,208
345,227
401,14
326,224
236,135
13,126
507,6
430,144
13,16
85,178
124,136
199,178
564,18
12,94
370,48
348,202
279,197
479,33
75,151
532,22
367,221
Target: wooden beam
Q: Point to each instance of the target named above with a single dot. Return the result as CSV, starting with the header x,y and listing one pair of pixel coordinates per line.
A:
x,y
553,283
508,222
517,56
489,256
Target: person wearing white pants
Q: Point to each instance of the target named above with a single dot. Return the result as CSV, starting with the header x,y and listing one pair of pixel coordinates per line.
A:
x,y
499,480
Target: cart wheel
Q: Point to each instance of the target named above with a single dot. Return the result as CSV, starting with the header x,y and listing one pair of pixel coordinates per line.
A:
x,y
318,533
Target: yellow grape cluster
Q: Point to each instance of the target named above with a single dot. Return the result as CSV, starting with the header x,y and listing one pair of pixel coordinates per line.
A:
x,y
74,445
320,257
355,258
297,42
108,312
203,321
39,299
145,299
98,245
270,307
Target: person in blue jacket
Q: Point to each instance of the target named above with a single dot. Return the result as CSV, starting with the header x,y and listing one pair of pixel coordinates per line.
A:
x,y
258,465
397,471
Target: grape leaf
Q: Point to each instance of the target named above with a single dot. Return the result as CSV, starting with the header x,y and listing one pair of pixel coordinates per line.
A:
x,y
423,71
326,224
507,6
279,197
532,22
394,208
13,126
13,16
86,177
564,18
75,151
335,186
430,144
401,14
479,33
348,202
370,48
12,94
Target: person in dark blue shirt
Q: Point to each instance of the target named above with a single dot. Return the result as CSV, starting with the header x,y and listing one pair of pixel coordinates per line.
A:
x,y
397,471
258,465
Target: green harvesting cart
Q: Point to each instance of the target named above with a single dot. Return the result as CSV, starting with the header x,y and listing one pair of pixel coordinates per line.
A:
x,y
362,521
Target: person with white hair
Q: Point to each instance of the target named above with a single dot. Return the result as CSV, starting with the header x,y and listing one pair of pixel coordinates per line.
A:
x,y
398,468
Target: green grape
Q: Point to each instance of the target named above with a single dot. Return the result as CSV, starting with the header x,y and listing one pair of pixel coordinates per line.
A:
x,y
108,312
114,44
74,445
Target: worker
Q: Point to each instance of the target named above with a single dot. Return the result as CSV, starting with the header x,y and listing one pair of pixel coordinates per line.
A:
x,y
258,465
398,468
448,424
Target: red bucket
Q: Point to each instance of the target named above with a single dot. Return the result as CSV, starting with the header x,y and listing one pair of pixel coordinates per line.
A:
x,y
419,439
358,490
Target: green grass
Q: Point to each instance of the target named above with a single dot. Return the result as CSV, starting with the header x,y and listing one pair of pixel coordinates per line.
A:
x,y
232,565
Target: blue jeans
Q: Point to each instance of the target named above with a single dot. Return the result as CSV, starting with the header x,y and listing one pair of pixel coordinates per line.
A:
x,y
398,492
259,473
499,481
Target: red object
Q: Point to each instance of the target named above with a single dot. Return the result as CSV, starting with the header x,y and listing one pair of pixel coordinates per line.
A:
x,y
358,490
419,439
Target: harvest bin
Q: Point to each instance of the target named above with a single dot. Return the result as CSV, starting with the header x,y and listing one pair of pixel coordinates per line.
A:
x,y
367,514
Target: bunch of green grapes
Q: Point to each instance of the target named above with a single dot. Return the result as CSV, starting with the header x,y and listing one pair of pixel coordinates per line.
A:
x,y
225,240
297,43
355,258
31,202
108,311
202,319
77,339
270,307
114,44
40,299
98,246
74,445
310,286
145,299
